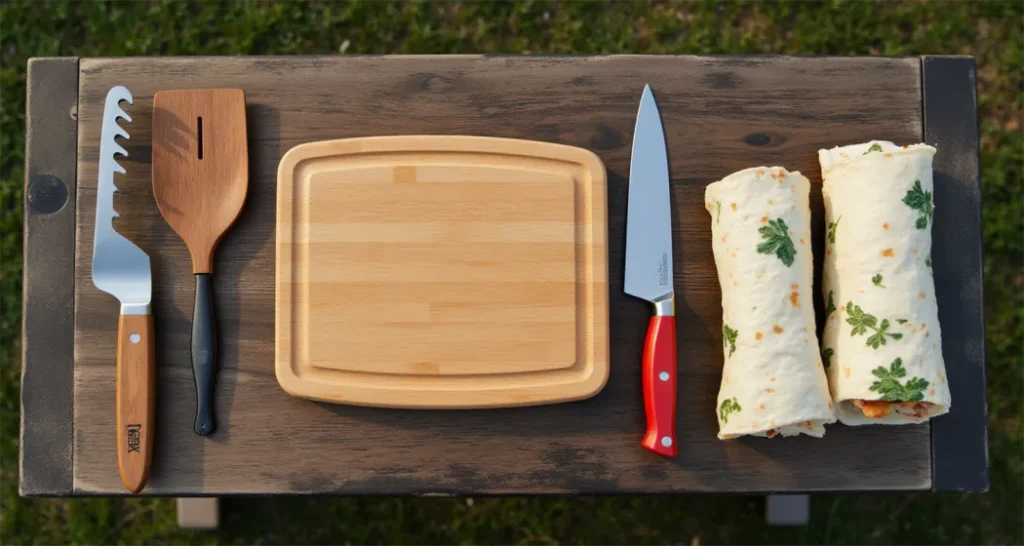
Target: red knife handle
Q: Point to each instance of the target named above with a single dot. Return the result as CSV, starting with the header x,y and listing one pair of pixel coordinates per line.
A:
x,y
659,373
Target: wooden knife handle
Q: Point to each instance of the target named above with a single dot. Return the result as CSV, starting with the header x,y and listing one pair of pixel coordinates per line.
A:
x,y
659,378
136,397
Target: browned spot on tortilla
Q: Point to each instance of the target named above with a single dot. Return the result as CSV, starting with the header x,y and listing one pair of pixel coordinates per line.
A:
x,y
707,206
847,371
791,232
888,253
769,390
733,205
758,336
770,433
734,283
923,325
794,286
931,392
828,251
725,238
941,377
762,406
801,240
794,299
888,154
780,181
921,294
778,329
760,173
926,334
915,252
764,219
772,380
842,308
860,291
885,225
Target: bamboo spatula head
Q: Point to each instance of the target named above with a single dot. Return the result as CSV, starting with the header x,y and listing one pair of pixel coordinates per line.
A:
x,y
200,165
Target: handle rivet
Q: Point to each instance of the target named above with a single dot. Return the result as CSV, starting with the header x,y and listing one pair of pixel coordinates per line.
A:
x,y
666,441
663,376
134,338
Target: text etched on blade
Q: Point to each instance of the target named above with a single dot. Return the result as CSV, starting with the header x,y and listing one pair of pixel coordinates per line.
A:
x,y
663,270
134,438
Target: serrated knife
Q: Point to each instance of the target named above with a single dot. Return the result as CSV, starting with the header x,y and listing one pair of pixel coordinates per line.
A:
x,y
121,269
649,272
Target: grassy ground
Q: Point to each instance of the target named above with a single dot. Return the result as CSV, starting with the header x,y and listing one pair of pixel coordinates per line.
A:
x,y
993,32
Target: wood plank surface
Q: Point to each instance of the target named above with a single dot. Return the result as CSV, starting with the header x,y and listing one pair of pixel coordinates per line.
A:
x,y
960,438
47,365
720,114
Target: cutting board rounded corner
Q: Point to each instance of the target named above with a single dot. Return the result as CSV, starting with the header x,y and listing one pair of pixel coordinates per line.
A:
x,y
441,272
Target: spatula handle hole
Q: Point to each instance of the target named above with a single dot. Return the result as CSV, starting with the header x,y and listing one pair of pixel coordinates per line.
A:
x,y
199,131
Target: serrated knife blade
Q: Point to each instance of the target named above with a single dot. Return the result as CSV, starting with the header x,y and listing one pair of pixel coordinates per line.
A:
x,y
121,269
649,271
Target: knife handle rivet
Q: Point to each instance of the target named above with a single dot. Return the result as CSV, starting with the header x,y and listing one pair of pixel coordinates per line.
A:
x,y
663,376
666,441
134,338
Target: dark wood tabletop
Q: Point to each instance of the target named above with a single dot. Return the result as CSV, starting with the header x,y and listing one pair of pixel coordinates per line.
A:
x,y
721,114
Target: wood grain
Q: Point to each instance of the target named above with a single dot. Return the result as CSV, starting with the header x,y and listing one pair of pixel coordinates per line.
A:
x,y
200,165
721,114
136,402
48,297
441,272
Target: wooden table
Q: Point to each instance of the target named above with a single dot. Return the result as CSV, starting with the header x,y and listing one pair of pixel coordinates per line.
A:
x,y
721,114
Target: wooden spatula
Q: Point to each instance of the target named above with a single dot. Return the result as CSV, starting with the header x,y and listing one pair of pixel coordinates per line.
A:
x,y
200,179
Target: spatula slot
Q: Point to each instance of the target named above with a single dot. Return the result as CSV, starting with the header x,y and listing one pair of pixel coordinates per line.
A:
x,y
199,131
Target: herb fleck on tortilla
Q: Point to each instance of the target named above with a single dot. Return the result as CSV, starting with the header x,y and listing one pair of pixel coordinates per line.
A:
x,y
877,281
921,201
728,406
777,240
826,356
876,147
892,390
718,219
832,230
862,321
830,307
729,338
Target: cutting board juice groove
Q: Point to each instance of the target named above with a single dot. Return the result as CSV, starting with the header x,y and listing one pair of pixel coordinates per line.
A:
x,y
441,272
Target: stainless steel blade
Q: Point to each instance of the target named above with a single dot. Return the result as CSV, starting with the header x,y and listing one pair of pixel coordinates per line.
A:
x,y
119,268
648,215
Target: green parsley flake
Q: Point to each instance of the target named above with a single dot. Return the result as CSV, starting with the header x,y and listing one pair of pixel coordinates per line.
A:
x,y
921,201
862,321
777,240
728,406
892,390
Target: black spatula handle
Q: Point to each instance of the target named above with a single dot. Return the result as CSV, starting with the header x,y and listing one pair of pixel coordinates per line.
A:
x,y
204,353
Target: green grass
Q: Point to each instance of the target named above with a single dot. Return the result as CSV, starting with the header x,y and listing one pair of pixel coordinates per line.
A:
x,y
991,31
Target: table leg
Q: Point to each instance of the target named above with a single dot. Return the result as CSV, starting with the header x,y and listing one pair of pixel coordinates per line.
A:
x,y
787,509
199,513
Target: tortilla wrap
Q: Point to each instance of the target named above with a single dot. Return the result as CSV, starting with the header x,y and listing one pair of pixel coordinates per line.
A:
x,y
882,344
772,381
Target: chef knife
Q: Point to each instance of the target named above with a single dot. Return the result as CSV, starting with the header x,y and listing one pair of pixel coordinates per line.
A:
x,y
649,272
121,269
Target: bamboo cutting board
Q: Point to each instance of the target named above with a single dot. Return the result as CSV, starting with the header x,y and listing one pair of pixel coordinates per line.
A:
x,y
441,272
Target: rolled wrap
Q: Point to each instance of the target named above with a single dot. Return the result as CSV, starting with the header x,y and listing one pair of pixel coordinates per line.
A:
x,y
882,342
772,381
